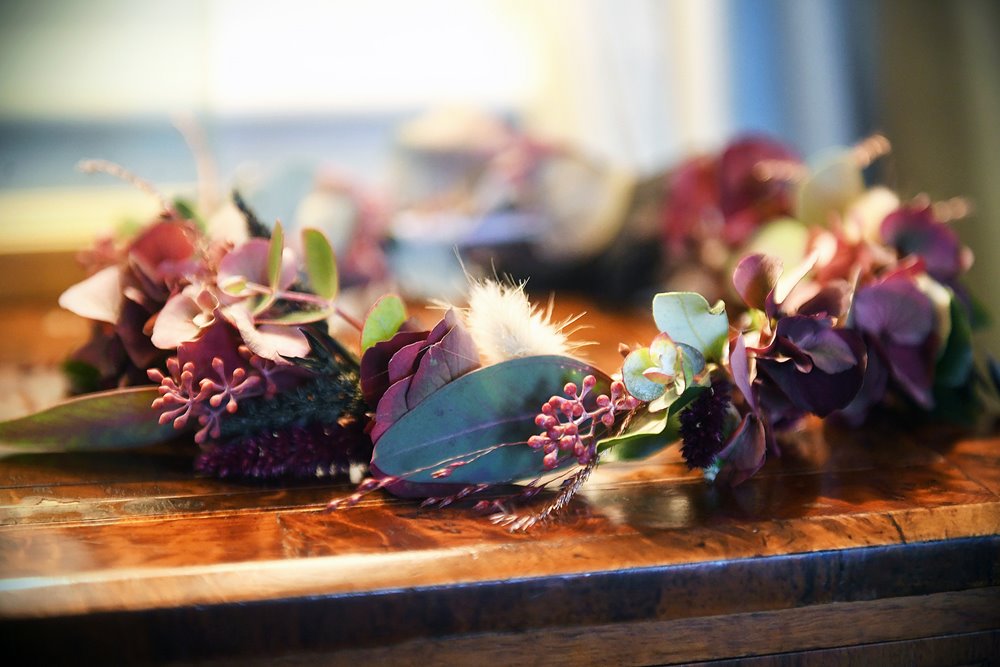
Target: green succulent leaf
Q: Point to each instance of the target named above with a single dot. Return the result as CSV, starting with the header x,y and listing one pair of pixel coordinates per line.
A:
x,y
484,417
687,318
116,419
321,264
383,320
634,375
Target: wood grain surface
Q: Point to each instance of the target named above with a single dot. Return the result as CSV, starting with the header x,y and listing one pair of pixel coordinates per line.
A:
x,y
863,543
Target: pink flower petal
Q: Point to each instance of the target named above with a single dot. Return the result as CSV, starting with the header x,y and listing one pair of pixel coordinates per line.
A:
x,y
269,341
249,262
98,297
176,323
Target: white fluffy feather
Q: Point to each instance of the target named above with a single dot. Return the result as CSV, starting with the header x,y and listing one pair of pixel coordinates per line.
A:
x,y
505,325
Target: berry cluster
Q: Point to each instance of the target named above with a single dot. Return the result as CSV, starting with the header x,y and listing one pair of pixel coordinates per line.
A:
x,y
570,426
184,397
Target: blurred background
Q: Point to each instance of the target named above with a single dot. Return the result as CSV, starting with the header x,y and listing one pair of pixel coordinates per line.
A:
x,y
374,111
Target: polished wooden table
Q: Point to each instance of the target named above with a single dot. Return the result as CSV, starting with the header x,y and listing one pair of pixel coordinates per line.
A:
x,y
874,547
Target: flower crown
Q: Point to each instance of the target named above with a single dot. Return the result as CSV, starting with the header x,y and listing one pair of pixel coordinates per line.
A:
x,y
230,344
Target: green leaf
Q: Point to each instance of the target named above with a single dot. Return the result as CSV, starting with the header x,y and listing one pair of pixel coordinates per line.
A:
x,y
297,317
187,210
274,253
487,414
956,362
687,318
784,238
83,377
635,381
649,431
832,186
646,433
116,419
383,320
321,264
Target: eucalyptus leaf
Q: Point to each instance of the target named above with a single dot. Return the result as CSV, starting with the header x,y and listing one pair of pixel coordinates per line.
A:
x,y
321,264
487,415
636,381
116,419
687,318
384,319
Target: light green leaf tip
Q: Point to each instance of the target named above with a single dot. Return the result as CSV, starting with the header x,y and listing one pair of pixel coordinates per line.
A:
x,y
835,181
383,320
687,318
274,252
321,264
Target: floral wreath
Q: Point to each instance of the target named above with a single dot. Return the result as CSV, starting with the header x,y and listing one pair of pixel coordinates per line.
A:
x,y
230,344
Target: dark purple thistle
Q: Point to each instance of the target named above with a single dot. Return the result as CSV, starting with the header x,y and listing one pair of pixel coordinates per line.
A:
x,y
703,425
314,450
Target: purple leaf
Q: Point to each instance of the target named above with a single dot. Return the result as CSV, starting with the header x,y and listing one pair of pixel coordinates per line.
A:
x,y
818,368
755,277
375,364
452,357
895,309
913,230
419,369
739,365
871,393
744,452
391,407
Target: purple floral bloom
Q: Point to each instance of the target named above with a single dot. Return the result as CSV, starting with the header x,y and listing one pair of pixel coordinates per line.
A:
x,y
816,367
313,450
743,454
723,196
913,230
900,322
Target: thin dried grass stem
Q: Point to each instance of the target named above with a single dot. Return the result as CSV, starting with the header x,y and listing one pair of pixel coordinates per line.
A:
x,y
572,484
121,173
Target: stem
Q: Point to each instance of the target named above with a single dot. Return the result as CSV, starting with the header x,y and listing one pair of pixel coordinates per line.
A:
x,y
349,318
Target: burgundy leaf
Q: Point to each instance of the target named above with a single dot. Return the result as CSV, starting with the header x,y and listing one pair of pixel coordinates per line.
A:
x,y
755,277
744,452
375,364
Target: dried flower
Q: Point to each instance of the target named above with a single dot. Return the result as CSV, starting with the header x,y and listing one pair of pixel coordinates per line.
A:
x,y
703,425
310,450
505,325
